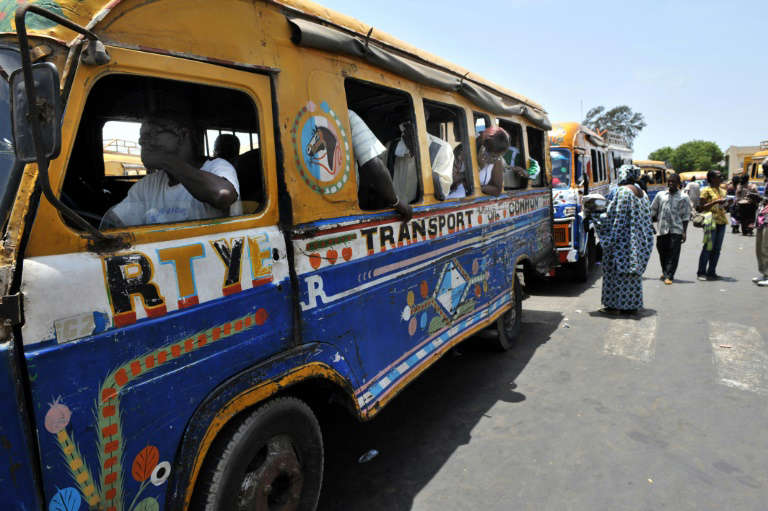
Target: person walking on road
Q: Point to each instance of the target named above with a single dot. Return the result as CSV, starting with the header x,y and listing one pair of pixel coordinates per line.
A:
x,y
671,208
761,236
626,235
713,201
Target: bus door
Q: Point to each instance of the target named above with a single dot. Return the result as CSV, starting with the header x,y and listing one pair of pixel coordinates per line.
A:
x,y
124,344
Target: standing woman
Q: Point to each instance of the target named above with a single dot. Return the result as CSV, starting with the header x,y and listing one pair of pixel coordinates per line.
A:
x,y
626,234
713,200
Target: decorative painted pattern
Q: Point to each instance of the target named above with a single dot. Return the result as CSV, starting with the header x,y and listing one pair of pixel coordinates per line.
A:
x,y
383,384
146,467
321,148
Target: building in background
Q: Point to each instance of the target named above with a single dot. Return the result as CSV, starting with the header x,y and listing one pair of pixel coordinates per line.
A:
x,y
734,157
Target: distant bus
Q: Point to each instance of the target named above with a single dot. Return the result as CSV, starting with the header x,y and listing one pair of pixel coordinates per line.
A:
x,y
656,171
753,167
580,165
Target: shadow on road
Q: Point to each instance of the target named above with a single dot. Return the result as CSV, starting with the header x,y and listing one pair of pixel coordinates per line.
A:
x,y
419,430
563,284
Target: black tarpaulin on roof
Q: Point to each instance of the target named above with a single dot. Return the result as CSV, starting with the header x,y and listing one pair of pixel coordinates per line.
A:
x,y
309,34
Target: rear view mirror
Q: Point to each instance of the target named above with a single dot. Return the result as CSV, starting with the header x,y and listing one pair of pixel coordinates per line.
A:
x,y
46,80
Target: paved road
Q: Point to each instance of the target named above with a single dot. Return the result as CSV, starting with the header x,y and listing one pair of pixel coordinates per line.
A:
x,y
586,412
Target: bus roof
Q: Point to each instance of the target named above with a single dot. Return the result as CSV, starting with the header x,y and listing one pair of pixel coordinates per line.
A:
x,y
650,163
95,14
564,134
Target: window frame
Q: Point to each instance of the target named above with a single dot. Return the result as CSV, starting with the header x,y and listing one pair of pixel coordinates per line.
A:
x,y
461,116
49,223
413,109
541,181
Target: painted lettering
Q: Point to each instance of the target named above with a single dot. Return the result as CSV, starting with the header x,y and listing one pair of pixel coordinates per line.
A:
x,y
231,256
386,234
432,227
368,233
314,291
260,271
418,228
404,235
460,221
129,276
181,259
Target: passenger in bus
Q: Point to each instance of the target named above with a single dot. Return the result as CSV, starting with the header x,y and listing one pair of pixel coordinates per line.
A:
x,y
492,144
182,184
458,190
402,162
375,188
227,147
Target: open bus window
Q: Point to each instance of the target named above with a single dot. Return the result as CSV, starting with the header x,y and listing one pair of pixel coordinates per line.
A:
x,y
129,121
388,119
448,124
536,152
515,175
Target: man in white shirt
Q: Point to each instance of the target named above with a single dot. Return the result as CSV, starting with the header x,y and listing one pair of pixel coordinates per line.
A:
x,y
403,164
181,185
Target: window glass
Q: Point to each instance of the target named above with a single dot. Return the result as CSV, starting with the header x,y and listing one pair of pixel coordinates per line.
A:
x,y
482,122
561,167
383,126
595,165
137,141
448,123
515,175
536,153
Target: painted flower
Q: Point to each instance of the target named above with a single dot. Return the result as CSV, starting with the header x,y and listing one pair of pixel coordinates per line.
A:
x,y
160,473
57,417
406,315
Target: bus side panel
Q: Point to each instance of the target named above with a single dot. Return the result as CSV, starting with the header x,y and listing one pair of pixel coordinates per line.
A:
x,y
17,479
112,406
392,299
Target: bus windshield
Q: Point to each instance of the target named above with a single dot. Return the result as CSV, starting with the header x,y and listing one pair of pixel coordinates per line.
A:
x,y
561,168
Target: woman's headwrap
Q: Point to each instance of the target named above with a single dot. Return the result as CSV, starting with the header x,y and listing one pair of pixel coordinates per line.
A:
x,y
629,174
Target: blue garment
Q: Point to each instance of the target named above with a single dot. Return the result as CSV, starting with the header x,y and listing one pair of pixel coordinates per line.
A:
x,y
626,235
711,256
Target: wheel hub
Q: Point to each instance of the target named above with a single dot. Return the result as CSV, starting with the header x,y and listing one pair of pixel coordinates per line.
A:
x,y
274,479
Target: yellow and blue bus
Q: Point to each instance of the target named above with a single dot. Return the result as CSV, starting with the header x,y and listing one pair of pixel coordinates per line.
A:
x,y
581,164
181,364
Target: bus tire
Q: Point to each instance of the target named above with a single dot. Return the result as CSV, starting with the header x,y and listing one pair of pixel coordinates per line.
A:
x,y
508,325
585,263
271,459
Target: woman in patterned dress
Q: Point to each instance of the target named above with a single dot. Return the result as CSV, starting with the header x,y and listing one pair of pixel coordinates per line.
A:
x,y
626,235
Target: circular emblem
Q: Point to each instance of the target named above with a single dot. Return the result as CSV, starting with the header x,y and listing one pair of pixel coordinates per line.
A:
x,y
321,148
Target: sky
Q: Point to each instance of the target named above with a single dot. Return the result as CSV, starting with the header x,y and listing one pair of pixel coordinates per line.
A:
x,y
697,70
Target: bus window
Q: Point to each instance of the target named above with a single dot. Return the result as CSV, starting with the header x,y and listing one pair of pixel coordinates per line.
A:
x,y
448,123
536,152
595,166
107,181
561,167
603,173
482,121
514,168
390,116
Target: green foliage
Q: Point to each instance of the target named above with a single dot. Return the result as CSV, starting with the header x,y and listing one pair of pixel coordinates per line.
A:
x,y
620,119
697,155
662,154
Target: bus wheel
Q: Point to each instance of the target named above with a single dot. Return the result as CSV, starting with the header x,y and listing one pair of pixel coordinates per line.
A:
x,y
508,324
272,459
584,265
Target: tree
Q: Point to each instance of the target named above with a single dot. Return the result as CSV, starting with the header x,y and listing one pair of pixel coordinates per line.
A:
x,y
697,155
619,120
662,154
